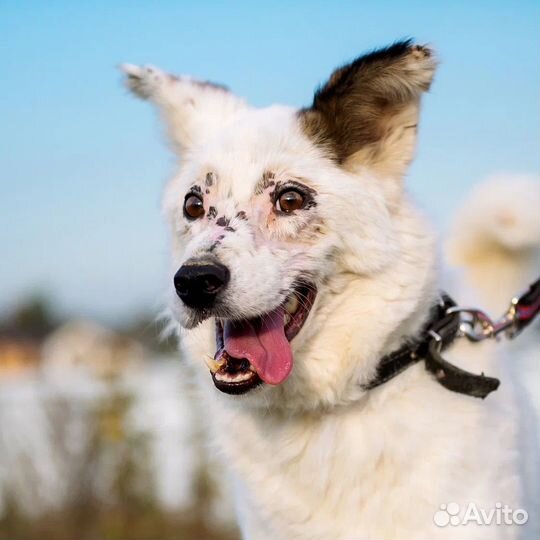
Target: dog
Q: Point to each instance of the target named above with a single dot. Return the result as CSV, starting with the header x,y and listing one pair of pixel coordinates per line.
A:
x,y
298,263
495,238
493,250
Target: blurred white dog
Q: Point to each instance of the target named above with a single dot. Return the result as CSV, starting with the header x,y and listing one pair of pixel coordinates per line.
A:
x,y
300,264
495,238
494,245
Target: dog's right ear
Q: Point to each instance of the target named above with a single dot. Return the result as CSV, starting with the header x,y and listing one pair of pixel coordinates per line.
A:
x,y
192,110
366,115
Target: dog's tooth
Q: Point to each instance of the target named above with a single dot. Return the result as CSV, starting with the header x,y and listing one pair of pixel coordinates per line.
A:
x,y
213,366
292,304
286,318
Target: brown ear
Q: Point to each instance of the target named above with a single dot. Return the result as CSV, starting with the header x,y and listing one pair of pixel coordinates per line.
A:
x,y
367,112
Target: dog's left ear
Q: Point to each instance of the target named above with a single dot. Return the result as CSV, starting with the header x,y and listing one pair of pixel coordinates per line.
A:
x,y
367,112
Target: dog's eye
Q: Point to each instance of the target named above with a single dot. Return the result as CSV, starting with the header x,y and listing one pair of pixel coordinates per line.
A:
x,y
193,206
290,200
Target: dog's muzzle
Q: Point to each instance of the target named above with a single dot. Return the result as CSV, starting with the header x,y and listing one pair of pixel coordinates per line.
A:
x,y
199,282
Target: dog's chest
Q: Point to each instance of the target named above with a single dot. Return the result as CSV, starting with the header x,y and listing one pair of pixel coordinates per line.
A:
x,y
369,471
322,477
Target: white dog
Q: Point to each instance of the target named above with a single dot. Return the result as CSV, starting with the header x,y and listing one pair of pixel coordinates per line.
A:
x,y
301,264
495,238
494,245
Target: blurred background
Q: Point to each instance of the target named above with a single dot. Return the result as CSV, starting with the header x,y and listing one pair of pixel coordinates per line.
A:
x,y
100,437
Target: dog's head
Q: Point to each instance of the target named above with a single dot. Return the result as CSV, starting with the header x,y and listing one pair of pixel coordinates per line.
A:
x,y
273,209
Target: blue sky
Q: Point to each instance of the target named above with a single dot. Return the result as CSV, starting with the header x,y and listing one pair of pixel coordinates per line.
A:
x,y
82,165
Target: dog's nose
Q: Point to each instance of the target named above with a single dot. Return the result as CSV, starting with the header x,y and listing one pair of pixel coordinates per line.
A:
x,y
198,284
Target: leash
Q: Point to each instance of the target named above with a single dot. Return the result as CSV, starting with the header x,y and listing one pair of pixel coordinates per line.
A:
x,y
449,322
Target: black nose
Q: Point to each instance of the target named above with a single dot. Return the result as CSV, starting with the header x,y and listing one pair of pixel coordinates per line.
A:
x,y
198,284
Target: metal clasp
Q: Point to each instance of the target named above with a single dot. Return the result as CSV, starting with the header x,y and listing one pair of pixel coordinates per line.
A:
x,y
478,326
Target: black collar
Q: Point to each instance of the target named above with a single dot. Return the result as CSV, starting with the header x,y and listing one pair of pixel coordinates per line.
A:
x,y
438,333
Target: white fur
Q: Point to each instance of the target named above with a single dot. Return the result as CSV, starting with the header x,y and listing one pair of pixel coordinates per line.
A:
x,y
495,238
494,249
318,457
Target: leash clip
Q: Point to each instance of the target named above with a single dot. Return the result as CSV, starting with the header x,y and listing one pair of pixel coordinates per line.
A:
x,y
477,326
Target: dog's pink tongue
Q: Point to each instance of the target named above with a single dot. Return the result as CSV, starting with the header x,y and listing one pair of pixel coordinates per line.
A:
x,y
263,343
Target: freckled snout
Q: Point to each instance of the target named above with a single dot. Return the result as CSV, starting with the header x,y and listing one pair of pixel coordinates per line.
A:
x,y
198,283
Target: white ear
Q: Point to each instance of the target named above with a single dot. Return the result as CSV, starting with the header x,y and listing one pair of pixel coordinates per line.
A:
x,y
192,110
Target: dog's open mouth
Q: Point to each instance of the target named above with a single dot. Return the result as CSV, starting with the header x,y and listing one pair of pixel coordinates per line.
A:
x,y
253,351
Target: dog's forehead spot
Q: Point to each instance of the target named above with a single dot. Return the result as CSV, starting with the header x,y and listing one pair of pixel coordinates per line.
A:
x,y
210,178
266,181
